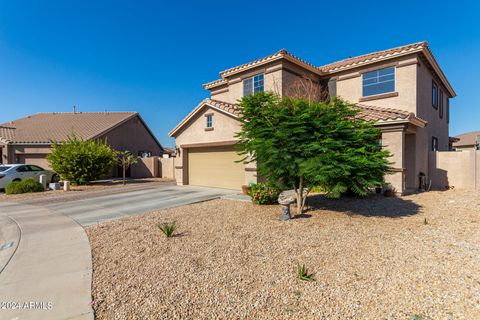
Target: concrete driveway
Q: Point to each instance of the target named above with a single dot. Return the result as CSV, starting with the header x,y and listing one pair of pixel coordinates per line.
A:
x,y
121,204
45,257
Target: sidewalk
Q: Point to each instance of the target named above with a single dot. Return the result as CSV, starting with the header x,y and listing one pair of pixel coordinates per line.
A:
x,y
49,274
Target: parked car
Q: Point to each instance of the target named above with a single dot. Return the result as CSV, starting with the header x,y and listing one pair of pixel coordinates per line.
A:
x,y
17,172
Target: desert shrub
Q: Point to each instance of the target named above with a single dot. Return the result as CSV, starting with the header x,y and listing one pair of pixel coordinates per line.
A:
x,y
24,186
262,193
299,143
82,161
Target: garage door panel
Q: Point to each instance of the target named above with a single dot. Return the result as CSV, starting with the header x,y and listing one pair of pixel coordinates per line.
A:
x,y
215,167
36,159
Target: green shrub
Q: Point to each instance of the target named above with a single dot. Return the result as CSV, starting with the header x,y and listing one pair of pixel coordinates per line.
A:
x,y
168,229
82,161
262,193
24,186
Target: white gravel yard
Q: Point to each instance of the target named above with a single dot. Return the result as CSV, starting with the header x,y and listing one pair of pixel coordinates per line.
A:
x,y
416,257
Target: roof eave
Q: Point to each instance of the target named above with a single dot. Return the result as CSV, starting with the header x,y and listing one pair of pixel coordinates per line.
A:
x,y
192,114
288,57
433,62
414,120
353,66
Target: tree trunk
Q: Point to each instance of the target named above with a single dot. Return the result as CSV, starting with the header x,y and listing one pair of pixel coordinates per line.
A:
x,y
299,193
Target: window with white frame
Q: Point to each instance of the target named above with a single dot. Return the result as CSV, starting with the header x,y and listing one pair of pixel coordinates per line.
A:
x,y
378,81
253,84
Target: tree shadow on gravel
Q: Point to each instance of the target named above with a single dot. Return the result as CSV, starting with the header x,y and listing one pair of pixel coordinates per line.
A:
x,y
372,206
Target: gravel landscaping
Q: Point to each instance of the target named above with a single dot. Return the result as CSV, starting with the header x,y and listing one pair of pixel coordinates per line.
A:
x,y
416,257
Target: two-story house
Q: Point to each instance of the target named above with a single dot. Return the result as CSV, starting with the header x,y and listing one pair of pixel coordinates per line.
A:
x,y
402,89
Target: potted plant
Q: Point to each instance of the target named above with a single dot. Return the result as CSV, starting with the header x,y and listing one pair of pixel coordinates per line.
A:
x,y
389,190
246,188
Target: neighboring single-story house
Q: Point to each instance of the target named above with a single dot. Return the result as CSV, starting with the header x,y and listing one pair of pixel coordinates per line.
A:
x,y
469,140
29,139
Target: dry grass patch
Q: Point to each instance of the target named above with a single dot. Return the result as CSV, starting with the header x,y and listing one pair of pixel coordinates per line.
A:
x,y
372,259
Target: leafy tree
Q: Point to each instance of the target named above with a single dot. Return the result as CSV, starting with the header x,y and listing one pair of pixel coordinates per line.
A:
x,y
298,143
125,160
82,161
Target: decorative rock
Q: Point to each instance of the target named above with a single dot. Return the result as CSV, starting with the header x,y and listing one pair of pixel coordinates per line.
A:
x,y
285,201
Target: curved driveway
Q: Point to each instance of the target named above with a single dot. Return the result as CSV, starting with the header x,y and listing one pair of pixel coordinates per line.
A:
x,y
45,257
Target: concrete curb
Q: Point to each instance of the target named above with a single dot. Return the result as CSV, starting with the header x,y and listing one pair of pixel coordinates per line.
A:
x,y
10,236
49,275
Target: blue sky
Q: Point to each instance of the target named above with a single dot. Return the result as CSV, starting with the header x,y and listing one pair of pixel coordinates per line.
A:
x,y
153,56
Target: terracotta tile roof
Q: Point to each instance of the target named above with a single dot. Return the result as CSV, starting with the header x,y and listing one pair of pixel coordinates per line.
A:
x,y
225,106
58,126
215,83
6,132
228,108
367,113
372,57
467,139
372,113
276,56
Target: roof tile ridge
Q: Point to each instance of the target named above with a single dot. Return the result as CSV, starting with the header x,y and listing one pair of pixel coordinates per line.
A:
x,y
420,43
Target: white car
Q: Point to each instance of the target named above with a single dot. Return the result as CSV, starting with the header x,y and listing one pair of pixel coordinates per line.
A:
x,y
18,172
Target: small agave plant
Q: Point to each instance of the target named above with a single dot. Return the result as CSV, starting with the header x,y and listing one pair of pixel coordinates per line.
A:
x,y
302,273
168,229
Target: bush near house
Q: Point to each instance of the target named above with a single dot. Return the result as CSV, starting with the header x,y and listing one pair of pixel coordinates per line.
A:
x,y
298,143
24,186
81,162
262,193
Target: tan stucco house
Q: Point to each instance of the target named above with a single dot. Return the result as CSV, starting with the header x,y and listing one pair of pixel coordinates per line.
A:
x,y
402,89
29,139
467,141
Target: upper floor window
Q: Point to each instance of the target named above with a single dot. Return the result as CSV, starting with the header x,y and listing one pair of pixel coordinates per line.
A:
x,y
253,84
434,95
440,104
378,81
209,118
434,144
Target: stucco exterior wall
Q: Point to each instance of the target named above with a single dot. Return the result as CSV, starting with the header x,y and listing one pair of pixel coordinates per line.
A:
x,y
194,133
393,140
132,136
437,126
458,169
349,84
145,168
167,168
234,90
